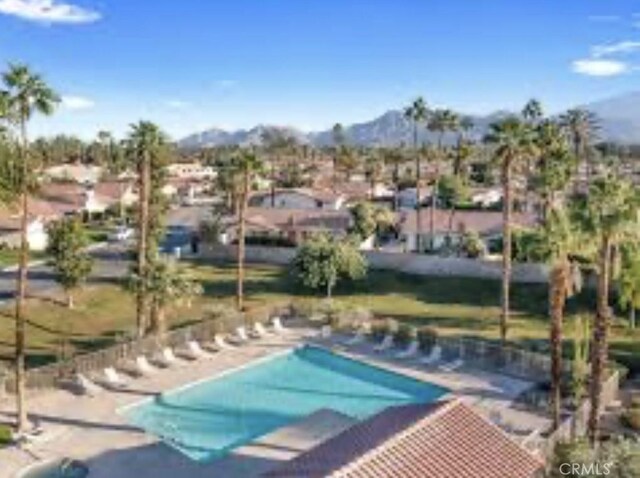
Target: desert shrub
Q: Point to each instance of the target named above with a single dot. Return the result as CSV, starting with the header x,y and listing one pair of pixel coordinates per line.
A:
x,y
427,338
403,334
5,435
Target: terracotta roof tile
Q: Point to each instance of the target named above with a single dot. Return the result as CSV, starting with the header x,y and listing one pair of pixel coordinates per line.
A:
x,y
439,440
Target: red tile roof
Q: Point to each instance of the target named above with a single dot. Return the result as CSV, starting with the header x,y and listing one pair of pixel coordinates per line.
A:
x,y
439,440
311,220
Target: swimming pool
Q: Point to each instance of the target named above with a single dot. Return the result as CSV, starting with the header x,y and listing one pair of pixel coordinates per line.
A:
x,y
210,418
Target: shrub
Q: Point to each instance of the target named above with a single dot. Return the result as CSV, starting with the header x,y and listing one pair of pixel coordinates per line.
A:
x,y
5,435
472,245
379,331
403,334
631,418
427,338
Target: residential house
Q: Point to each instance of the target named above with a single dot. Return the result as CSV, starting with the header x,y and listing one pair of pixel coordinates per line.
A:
x,y
76,173
452,227
443,439
288,227
193,170
408,198
300,198
40,214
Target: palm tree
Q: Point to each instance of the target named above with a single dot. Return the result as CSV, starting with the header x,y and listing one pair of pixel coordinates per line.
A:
x,y
275,143
246,167
339,140
26,93
168,283
417,112
582,127
464,147
559,239
513,141
394,157
145,144
532,113
609,214
629,280
441,122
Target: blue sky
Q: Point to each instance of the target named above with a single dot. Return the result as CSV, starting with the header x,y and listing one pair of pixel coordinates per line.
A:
x,y
194,64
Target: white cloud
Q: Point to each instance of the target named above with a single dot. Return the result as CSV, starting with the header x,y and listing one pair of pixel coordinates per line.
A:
x,y
599,67
48,11
620,48
604,18
75,103
177,104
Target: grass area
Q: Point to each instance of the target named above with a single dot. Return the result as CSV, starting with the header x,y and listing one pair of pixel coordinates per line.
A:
x,y
454,306
10,257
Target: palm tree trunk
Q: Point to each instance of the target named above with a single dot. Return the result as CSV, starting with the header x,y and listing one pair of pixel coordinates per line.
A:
x,y
21,286
632,316
418,195
273,184
557,298
506,250
241,241
143,228
600,338
70,301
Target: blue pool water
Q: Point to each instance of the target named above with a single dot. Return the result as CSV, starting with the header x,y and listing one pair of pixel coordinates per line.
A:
x,y
210,418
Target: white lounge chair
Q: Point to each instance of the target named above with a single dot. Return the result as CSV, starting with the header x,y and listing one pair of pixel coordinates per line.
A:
x,y
143,366
168,357
221,343
410,351
357,338
325,331
260,331
278,328
434,356
451,366
241,334
87,386
114,379
196,351
386,344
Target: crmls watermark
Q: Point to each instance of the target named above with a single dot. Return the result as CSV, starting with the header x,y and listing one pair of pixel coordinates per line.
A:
x,y
585,469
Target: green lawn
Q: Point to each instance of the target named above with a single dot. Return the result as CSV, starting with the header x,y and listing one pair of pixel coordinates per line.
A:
x,y
453,306
10,257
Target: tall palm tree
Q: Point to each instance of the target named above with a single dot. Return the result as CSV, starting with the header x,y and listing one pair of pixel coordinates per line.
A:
x,y
513,143
339,140
532,113
247,165
417,113
276,144
395,158
441,122
609,215
559,239
26,93
582,128
145,144
463,147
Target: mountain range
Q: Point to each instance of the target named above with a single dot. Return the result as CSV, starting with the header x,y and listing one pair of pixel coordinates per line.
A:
x,y
619,120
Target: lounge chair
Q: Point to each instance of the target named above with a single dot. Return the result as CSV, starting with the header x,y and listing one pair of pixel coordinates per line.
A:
x,y
114,379
87,386
325,331
143,366
260,331
434,356
386,344
241,334
451,366
168,357
221,343
410,351
196,351
278,328
357,338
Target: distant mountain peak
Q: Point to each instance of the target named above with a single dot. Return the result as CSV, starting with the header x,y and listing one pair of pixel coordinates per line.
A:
x,y
619,117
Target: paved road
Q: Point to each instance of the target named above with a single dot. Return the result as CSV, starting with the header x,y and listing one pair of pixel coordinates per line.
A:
x,y
111,262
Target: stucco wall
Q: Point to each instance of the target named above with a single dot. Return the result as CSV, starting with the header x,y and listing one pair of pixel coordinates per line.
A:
x,y
408,263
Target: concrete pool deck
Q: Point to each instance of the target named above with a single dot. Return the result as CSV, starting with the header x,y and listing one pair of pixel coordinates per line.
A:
x,y
91,429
